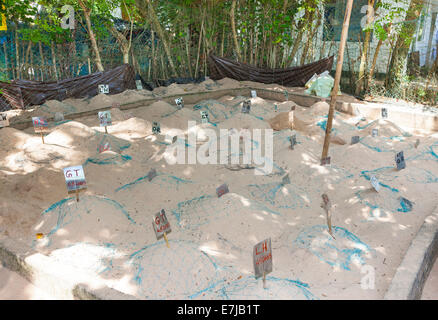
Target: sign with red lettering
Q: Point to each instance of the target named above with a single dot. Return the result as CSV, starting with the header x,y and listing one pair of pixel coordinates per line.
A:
x,y
4,122
221,190
40,124
160,223
75,178
262,255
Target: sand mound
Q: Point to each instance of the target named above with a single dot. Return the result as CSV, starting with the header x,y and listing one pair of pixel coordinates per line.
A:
x,y
155,111
283,120
244,121
385,128
101,101
133,128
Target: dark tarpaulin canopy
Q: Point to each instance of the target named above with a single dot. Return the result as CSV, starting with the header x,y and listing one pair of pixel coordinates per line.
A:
x,y
292,77
19,94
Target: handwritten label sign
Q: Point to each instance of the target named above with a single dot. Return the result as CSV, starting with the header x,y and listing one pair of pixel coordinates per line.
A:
x,y
138,84
375,183
384,113
253,94
103,88
375,133
105,118
354,139
179,103
246,106
400,160
204,117
262,258
223,189
75,178
325,161
293,141
4,121
156,128
40,124
161,224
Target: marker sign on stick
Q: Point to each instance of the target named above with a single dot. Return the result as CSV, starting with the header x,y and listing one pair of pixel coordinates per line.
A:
x,y
179,103
375,132
253,94
4,122
156,128
262,258
354,139
204,117
285,179
293,141
384,113
40,124
152,174
161,225
75,178
105,118
223,189
400,160
325,161
246,107
103,88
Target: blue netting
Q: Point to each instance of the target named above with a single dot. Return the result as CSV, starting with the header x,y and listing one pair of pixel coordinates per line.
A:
x,y
339,252
279,195
164,180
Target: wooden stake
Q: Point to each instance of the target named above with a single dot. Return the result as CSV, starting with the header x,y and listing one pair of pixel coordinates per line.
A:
x,y
264,280
165,238
77,195
42,136
337,78
106,130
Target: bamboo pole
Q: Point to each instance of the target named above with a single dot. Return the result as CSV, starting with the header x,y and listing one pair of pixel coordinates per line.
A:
x,y
337,78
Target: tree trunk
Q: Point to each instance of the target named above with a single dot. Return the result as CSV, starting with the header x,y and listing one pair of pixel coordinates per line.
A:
x,y
233,29
364,55
94,46
55,71
397,69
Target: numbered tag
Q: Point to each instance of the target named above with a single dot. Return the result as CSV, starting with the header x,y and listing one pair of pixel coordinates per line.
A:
x,y
139,85
156,128
293,141
223,189
204,117
375,183
75,178
253,94
152,174
179,103
103,88
262,258
325,161
384,113
285,180
375,132
400,160
40,124
160,223
275,107
4,121
354,139
246,107
105,118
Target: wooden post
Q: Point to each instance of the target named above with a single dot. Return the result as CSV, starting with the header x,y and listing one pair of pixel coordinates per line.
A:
x,y
42,136
264,280
77,195
106,130
337,78
165,238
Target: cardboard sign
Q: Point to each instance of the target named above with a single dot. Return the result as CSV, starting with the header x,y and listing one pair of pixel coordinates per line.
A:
x,y
104,146
4,121
223,189
384,113
103,88
156,128
75,178
293,141
246,107
400,160
325,161
204,117
40,124
105,118
355,139
375,132
375,183
179,102
152,174
160,223
262,258
253,94
138,84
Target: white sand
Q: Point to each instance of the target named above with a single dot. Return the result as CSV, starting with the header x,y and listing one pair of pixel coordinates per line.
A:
x,y
109,231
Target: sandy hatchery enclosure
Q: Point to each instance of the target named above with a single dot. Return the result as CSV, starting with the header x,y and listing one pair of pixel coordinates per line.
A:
x,y
108,237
